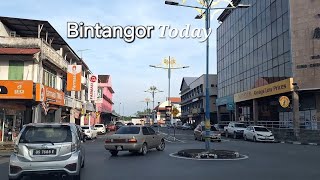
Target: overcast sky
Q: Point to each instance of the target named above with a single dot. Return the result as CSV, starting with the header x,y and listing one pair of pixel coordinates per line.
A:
x,y
127,63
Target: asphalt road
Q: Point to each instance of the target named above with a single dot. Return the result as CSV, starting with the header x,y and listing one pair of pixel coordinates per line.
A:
x,y
267,161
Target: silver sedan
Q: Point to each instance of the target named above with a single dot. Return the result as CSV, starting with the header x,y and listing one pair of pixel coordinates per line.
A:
x,y
134,139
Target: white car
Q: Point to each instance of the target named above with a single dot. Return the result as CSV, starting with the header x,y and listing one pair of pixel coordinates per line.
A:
x,y
101,128
258,133
90,131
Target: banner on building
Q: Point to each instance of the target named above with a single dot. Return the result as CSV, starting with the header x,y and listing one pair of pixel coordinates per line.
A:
x,y
74,78
168,112
93,87
49,95
12,89
99,96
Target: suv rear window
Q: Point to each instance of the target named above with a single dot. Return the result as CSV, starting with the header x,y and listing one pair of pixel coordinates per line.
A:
x,y
46,134
128,130
98,125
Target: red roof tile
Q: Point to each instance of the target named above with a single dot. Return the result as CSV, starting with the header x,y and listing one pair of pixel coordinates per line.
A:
x,y
18,51
175,99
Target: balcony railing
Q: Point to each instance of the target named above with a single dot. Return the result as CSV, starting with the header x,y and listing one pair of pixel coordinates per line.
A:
x,y
26,42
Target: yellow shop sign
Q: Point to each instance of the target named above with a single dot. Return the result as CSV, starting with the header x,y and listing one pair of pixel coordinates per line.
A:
x,y
267,90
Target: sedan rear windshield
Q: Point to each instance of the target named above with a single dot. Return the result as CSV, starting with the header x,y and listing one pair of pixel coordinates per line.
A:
x,y
212,128
239,125
98,125
46,134
261,129
85,127
128,130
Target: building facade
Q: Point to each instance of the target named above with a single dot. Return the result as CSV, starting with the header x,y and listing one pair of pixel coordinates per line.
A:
x,y
161,110
33,70
105,103
193,105
268,65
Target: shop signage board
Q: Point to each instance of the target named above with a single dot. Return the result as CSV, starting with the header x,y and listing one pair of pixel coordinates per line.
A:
x,y
284,101
93,87
49,95
264,91
74,78
11,89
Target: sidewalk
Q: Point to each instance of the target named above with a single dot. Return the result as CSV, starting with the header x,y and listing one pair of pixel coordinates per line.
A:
x,y
6,149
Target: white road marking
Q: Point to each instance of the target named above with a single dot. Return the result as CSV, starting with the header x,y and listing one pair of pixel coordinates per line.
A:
x,y
176,156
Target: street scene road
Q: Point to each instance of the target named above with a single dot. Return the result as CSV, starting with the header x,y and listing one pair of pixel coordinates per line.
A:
x,y
265,161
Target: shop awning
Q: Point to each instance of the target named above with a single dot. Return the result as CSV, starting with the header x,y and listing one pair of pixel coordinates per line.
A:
x,y
18,51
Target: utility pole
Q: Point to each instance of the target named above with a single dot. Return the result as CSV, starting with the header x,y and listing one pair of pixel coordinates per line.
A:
x,y
153,90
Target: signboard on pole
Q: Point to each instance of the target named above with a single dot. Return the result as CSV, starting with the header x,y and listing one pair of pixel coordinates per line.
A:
x,y
74,78
168,112
93,87
99,96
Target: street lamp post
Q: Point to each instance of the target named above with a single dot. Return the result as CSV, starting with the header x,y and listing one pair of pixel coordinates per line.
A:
x,y
147,100
170,65
207,9
153,90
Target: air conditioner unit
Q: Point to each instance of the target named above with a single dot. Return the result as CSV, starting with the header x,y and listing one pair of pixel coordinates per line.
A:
x,y
12,34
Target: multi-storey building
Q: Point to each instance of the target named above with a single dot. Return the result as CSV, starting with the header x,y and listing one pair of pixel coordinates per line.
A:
x,y
268,69
192,92
105,103
33,65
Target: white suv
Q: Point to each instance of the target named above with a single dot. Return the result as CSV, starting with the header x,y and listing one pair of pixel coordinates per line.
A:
x,y
46,148
101,128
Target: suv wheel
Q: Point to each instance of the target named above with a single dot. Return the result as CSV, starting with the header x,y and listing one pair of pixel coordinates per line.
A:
x,y
234,135
245,137
254,139
227,134
144,149
161,146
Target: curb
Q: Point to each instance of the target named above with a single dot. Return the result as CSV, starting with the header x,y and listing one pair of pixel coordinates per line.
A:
x,y
299,143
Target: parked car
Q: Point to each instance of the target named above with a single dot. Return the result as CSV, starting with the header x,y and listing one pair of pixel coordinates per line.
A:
x,y
235,129
90,131
258,133
134,139
82,134
111,127
186,126
46,148
101,128
200,133
220,128
119,125
130,124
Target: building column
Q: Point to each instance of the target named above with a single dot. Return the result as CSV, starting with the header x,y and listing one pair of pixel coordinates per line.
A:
x,y
72,119
57,115
296,114
218,114
36,114
255,111
236,112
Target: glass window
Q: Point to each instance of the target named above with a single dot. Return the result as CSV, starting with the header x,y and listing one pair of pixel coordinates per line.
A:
x,y
274,30
285,6
270,64
273,10
274,44
280,44
285,22
50,134
278,6
281,70
275,62
288,69
145,131
151,131
268,16
15,70
286,42
281,59
130,130
268,33
269,51
275,71
279,26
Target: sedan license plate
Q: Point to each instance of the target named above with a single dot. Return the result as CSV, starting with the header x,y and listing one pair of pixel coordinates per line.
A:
x,y
119,148
44,152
